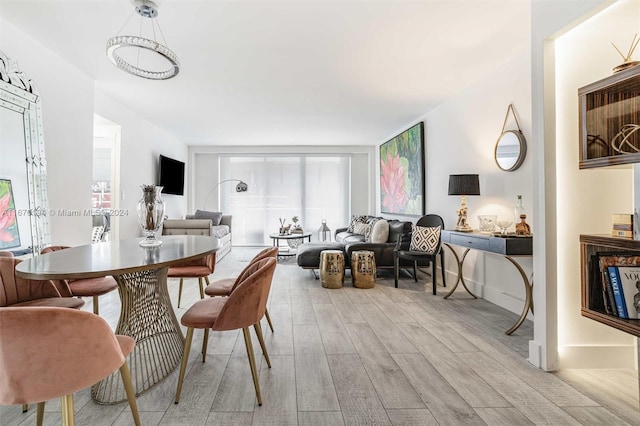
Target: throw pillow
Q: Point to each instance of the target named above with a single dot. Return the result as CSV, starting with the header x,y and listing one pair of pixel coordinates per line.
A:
x,y
214,217
356,219
380,232
425,239
362,229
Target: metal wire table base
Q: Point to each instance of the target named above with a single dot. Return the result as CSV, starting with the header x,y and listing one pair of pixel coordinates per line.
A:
x,y
148,317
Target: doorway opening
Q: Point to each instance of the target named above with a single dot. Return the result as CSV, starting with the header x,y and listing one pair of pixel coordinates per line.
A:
x,y
105,186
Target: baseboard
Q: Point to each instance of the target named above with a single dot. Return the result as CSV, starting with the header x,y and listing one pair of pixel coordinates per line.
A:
x,y
535,354
597,357
491,294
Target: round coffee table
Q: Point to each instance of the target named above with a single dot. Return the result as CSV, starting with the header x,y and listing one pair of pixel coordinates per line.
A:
x,y
288,250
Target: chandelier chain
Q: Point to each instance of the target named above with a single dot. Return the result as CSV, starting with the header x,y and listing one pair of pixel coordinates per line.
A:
x,y
126,22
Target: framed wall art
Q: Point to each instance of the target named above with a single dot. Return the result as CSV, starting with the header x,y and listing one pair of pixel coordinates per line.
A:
x,y
402,183
9,235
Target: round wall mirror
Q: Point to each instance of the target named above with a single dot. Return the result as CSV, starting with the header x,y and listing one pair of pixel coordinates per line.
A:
x,y
510,151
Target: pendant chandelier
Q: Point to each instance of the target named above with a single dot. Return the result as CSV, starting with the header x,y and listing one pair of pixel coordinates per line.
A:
x,y
141,56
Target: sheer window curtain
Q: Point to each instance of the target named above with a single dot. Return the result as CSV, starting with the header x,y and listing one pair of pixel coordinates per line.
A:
x,y
310,187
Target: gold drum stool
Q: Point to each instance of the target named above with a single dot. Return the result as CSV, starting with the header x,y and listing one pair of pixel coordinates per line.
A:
x,y
332,268
363,269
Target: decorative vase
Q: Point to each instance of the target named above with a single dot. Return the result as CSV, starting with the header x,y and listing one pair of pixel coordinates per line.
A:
x,y
150,214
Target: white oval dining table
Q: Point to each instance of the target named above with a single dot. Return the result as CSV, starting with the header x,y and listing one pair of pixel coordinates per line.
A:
x,y
146,313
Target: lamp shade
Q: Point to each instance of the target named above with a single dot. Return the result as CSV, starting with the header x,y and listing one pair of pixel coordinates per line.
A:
x,y
464,185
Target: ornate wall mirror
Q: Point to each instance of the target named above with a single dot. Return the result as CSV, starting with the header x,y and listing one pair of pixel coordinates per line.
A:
x,y
22,163
511,147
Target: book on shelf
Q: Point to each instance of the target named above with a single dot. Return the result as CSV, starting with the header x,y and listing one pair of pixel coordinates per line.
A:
x,y
621,283
622,219
618,294
623,227
597,291
609,299
620,233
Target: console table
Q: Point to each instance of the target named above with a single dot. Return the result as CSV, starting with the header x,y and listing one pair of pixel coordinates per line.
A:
x,y
506,246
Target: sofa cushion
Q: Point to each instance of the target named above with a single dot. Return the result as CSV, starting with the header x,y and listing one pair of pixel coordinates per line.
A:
x,y
219,231
349,237
397,228
380,232
362,229
356,219
214,217
425,239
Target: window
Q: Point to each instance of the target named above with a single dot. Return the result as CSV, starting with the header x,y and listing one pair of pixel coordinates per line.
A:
x,y
310,187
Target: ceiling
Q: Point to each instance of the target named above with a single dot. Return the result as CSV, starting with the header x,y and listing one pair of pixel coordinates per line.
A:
x,y
265,72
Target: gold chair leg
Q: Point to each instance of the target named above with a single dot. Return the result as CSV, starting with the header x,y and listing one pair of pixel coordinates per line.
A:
x,y
258,329
25,408
205,340
180,293
185,359
39,414
131,393
96,309
68,418
201,284
266,314
207,280
252,363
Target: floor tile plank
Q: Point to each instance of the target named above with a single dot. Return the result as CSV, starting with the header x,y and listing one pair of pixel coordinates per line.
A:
x,y
446,405
314,384
503,416
359,401
334,336
393,388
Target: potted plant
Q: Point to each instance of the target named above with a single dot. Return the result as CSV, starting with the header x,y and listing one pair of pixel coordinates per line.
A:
x,y
296,229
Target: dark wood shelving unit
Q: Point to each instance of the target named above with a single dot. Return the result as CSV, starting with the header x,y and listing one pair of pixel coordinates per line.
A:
x,y
606,106
591,285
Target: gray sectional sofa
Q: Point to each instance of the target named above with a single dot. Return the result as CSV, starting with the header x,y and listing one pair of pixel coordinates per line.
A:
x,y
193,226
350,241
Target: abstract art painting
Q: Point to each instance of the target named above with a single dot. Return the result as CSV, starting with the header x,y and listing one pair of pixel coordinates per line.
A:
x,y
9,236
402,173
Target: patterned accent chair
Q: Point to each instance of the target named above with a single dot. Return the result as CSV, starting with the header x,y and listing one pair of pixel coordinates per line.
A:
x,y
403,250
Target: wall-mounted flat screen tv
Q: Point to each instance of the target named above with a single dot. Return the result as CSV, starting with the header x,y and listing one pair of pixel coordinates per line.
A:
x,y
171,176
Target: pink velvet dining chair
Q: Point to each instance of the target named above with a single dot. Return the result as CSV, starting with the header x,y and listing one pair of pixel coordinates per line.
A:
x,y
49,352
85,287
199,268
244,307
224,286
17,291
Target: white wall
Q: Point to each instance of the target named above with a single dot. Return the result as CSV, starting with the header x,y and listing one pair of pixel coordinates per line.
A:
x,y
464,130
68,101
67,112
586,199
140,147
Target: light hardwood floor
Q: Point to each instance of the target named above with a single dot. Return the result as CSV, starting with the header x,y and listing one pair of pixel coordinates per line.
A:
x,y
380,356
